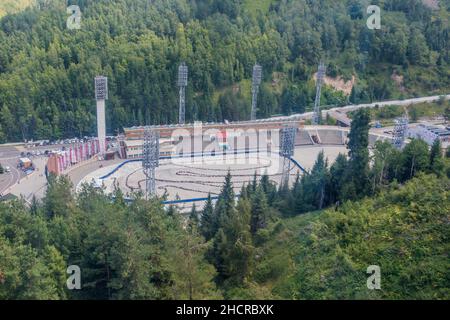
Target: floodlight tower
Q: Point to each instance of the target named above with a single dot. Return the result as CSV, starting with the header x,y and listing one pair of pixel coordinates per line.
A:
x,y
150,160
182,83
101,95
256,82
400,132
319,83
287,146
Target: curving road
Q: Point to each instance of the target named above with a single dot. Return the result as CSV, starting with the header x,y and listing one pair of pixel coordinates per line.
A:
x,y
8,158
345,109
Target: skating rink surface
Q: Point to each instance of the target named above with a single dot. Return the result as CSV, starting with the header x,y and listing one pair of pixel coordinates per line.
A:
x,y
187,178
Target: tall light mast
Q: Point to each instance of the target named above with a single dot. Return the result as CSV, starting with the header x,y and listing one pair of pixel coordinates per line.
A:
x,y
320,76
287,147
101,95
182,83
256,82
150,160
400,132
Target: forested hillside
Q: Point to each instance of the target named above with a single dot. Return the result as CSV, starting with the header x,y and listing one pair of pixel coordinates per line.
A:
x,y
325,255
140,251
46,70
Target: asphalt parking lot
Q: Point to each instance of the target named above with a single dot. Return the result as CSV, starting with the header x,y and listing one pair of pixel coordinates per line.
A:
x,y
8,158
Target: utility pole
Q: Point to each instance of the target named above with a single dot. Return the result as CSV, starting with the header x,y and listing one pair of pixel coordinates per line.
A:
x,y
287,147
320,76
150,160
400,132
256,82
182,83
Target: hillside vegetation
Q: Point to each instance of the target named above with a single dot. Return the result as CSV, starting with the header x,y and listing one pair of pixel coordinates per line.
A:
x,y
47,71
144,252
325,255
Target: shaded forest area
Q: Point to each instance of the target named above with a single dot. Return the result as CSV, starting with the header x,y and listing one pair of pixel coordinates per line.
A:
x,y
47,71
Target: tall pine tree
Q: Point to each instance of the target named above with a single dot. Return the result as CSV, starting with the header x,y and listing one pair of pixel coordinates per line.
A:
x,y
358,174
260,211
208,221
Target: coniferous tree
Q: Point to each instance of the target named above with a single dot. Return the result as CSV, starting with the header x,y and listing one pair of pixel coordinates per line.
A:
x,y
232,246
300,197
259,211
320,180
314,190
208,221
288,203
193,218
436,161
192,274
226,202
268,188
254,183
338,173
358,173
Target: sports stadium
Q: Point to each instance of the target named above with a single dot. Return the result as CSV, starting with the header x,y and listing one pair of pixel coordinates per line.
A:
x,y
194,159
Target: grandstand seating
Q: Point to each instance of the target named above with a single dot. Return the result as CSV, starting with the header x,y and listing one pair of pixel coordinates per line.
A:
x,y
303,138
333,137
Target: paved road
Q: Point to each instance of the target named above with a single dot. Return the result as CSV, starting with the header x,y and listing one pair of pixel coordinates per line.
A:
x,y
77,174
32,185
345,109
9,156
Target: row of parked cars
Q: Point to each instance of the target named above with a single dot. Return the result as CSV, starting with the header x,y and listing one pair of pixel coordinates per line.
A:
x,y
5,169
34,153
41,143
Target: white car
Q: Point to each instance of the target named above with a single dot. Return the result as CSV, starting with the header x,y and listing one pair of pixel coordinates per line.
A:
x,y
7,169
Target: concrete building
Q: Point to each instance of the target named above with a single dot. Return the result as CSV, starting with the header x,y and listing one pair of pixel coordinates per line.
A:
x,y
429,133
176,139
134,148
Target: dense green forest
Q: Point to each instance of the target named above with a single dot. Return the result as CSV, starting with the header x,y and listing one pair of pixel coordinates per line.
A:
x,y
312,241
47,71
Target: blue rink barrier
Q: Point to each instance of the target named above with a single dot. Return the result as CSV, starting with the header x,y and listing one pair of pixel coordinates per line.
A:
x,y
195,155
168,202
